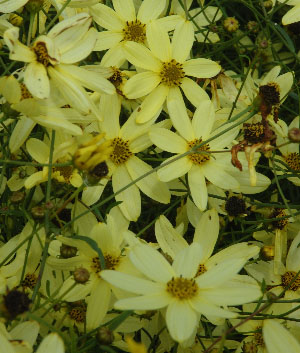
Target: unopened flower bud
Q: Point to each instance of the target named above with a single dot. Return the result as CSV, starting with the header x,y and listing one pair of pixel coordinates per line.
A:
x,y
15,20
34,6
17,196
268,4
67,251
81,275
38,212
267,252
105,335
294,134
252,26
231,24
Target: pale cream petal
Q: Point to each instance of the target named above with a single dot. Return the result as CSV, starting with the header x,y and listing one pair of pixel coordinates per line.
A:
x,y
175,169
10,89
89,79
140,56
78,292
187,261
149,185
193,92
110,107
34,179
51,343
181,320
226,138
232,294
8,6
208,309
219,177
152,104
38,150
178,114
95,313
170,22
293,15
73,93
83,48
107,17
36,80
131,283
277,338
115,56
203,120
169,240
167,140
220,273
131,199
125,9
158,41
151,263
107,39
55,123
141,84
150,10
182,42
201,68
20,133
206,16
198,187
68,264
145,302
18,51
92,194
26,331
262,182
271,75
140,144
206,232
285,83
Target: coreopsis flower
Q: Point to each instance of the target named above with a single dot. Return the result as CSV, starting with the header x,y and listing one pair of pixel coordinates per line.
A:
x,y
123,25
63,152
109,237
278,339
201,164
166,70
178,288
35,111
289,161
125,166
293,15
50,60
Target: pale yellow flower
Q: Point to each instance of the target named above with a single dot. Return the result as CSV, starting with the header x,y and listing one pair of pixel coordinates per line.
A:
x,y
293,15
166,70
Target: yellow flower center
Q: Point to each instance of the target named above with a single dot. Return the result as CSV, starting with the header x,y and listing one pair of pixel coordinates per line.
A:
x,y
281,223
198,157
135,31
293,161
63,172
29,281
25,94
111,263
253,133
117,77
121,151
201,270
288,277
78,314
182,288
172,73
270,93
41,52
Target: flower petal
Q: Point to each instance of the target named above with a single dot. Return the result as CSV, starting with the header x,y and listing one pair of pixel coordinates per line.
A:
x,y
150,185
20,133
36,80
182,42
141,84
178,114
208,309
145,302
193,92
203,120
167,140
125,9
51,343
140,56
150,10
187,261
152,104
107,17
107,39
218,176
175,169
159,42
201,68
198,187
181,320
